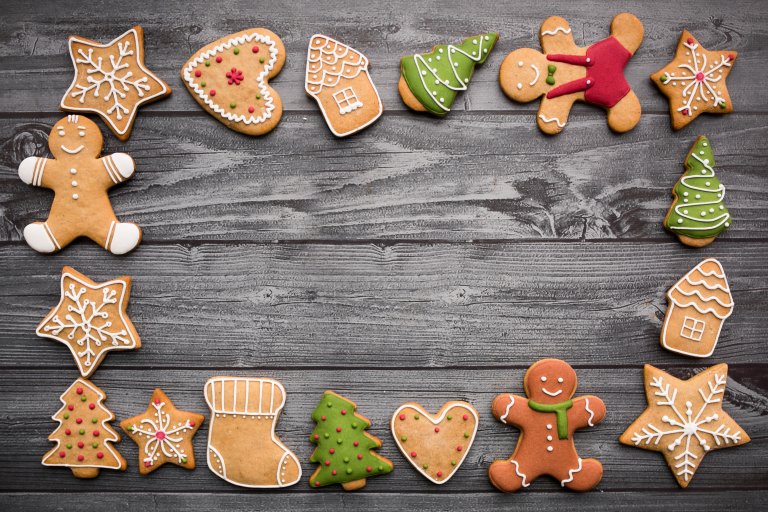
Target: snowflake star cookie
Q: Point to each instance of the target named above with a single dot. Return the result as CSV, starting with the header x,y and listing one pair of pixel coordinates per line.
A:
x,y
565,73
91,319
694,82
684,419
112,81
164,434
337,77
229,78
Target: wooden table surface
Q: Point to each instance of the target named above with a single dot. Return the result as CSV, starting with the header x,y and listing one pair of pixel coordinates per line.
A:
x,y
422,259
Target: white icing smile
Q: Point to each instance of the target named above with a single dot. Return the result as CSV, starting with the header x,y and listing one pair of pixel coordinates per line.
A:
x,y
73,151
550,393
536,78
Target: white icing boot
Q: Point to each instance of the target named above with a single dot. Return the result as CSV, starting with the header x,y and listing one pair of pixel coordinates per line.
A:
x,y
124,237
40,238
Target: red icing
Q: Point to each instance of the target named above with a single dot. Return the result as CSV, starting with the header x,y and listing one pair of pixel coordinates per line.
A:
x,y
234,76
343,412
368,469
71,407
338,429
402,417
96,433
437,429
255,49
691,40
251,109
212,92
327,463
100,455
413,454
68,432
699,77
331,451
218,59
317,437
79,391
62,454
157,401
731,56
91,406
79,420
81,458
159,434
148,464
191,423
604,84
439,474
458,448
198,73
465,417
80,444
356,443
685,111
323,418
359,456
317,483
333,472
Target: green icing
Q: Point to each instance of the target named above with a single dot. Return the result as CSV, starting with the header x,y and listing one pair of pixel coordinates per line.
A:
x,y
446,70
561,414
698,210
345,459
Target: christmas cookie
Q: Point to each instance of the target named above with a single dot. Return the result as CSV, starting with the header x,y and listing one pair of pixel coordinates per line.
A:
x,y
699,303
229,78
243,448
84,437
112,81
684,419
91,319
164,434
697,214
344,452
337,77
80,180
565,73
429,82
435,445
547,416
694,82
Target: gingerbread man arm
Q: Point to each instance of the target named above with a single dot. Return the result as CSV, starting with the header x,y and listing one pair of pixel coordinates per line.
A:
x,y
510,409
118,167
33,171
628,30
625,115
556,36
554,112
587,411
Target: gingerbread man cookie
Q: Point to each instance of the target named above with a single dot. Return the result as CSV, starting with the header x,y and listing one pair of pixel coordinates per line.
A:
x,y
548,417
565,73
80,181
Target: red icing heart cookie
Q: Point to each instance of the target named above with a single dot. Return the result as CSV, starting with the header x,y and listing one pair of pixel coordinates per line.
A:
x,y
435,445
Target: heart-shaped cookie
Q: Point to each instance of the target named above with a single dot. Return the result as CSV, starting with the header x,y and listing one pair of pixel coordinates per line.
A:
x,y
435,445
229,79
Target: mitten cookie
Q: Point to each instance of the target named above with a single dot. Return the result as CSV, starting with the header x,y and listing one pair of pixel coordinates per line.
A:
x,y
430,82
694,82
337,77
344,452
112,81
566,73
698,214
684,419
242,446
84,437
91,319
699,303
164,434
80,181
435,445
229,78
547,416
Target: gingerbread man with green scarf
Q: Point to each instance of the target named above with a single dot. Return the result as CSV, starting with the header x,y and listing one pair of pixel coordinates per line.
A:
x,y
547,418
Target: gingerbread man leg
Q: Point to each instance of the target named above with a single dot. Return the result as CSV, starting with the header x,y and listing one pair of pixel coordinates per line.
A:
x,y
628,30
625,115
115,236
42,237
554,112
584,477
509,475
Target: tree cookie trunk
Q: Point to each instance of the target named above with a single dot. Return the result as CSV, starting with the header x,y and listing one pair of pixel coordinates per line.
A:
x,y
695,242
85,472
353,485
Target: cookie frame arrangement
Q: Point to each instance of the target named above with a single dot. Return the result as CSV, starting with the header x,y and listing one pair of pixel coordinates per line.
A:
x,y
229,78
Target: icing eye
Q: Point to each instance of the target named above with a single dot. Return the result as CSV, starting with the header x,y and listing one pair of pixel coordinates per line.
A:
x,y
543,379
82,133
560,380
61,132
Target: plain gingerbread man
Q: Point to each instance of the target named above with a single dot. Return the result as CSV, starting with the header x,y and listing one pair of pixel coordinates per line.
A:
x,y
547,420
80,181
565,73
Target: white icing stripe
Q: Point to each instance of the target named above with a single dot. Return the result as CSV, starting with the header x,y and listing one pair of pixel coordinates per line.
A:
x,y
533,82
327,66
37,176
571,472
703,283
518,473
699,295
714,222
697,89
53,239
110,234
551,120
506,412
221,408
555,31
590,411
108,165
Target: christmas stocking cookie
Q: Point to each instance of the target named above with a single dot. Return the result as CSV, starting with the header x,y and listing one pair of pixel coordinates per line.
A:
x,y
80,180
243,448
547,416
565,73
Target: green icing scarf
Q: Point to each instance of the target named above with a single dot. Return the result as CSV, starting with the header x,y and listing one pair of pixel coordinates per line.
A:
x,y
561,410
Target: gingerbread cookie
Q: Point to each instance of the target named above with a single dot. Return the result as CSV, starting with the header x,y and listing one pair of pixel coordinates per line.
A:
x,y
229,78
243,448
164,434
684,419
84,437
344,452
430,82
698,214
565,73
699,303
80,181
337,77
91,319
112,81
547,416
435,445
694,82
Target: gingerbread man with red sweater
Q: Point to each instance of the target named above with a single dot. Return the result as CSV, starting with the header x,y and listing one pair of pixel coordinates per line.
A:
x,y
548,417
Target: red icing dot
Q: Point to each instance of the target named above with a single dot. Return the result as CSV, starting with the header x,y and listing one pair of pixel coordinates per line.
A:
x,y
251,109
81,458
255,49
333,472
413,454
699,77
327,463
317,483
331,451
100,455
157,401
343,412
322,418
212,92
79,391
191,423
62,454
465,417
458,448
80,444
91,406
317,436
359,456
437,429
356,443
71,407
148,464
402,417
439,474
96,433
685,111
159,434
690,40
198,73
338,429
368,469
68,432
218,59
79,420
731,56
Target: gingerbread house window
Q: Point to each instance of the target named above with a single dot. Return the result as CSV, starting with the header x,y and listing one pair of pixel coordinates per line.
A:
x,y
347,100
692,329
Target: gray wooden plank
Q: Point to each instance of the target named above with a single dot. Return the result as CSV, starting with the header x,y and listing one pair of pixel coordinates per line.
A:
x,y
29,397
476,176
35,69
403,305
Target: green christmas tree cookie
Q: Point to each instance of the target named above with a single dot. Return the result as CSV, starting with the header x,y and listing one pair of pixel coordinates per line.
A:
x,y
344,450
697,214
430,82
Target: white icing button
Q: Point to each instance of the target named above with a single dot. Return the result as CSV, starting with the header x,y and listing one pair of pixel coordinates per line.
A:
x,y
703,214
438,57
549,448
711,210
589,60
721,206
727,224
697,196
73,171
679,221
560,380
549,438
707,183
685,194
74,196
474,41
74,183
519,86
549,426
520,64
589,82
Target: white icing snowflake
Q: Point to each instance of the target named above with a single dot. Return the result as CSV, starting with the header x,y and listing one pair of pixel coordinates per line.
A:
x,y
702,79
160,436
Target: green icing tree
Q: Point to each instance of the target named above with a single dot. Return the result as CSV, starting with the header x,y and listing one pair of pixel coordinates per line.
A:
x,y
698,211
344,450
436,78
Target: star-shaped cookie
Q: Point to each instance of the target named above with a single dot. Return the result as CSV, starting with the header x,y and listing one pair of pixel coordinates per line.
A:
x,y
91,319
111,80
164,434
684,419
694,82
